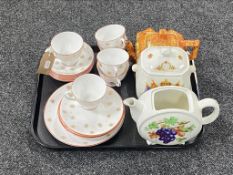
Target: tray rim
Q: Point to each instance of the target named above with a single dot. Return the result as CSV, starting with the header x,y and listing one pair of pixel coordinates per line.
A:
x,y
32,129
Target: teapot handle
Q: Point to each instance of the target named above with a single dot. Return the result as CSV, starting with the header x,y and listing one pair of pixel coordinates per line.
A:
x,y
209,102
194,44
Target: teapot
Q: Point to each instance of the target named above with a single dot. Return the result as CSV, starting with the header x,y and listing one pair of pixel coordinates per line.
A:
x,y
162,66
170,115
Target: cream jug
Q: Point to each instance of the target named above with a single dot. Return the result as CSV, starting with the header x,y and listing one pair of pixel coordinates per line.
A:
x,y
170,115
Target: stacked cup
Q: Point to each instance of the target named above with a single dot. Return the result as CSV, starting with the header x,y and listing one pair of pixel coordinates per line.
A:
x,y
112,60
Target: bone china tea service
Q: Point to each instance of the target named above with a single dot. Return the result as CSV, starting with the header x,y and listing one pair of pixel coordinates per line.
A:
x,y
88,111
57,130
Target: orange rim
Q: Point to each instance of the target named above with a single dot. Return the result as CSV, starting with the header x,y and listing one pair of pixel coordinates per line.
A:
x,y
69,78
73,144
87,135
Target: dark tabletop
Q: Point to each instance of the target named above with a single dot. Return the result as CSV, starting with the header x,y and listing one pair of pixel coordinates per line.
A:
x,y
25,30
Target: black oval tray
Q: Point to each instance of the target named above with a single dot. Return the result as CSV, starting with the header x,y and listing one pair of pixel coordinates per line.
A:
x,y
126,138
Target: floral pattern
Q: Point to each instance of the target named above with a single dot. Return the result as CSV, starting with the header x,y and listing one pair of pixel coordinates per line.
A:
x,y
165,82
165,66
169,130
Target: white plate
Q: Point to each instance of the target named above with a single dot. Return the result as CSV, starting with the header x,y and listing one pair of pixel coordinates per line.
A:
x,y
54,126
92,123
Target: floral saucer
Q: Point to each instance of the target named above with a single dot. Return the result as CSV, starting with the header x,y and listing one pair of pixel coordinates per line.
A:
x,y
54,126
65,73
92,123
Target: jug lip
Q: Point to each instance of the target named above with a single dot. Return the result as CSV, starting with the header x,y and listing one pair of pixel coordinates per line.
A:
x,y
145,64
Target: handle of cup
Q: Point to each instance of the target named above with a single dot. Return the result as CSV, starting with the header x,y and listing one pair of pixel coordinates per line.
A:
x,y
118,82
70,96
123,42
209,102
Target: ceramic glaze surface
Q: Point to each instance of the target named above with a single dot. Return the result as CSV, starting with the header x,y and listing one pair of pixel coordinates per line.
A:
x,y
87,90
164,60
67,47
113,65
84,61
60,133
170,115
84,65
66,43
92,123
162,66
111,36
170,128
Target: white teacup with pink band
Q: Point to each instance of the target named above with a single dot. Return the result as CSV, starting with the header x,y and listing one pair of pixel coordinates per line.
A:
x,y
67,47
113,35
88,90
113,65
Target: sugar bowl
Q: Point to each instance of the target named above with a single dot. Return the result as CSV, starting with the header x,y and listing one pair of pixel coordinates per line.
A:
x,y
162,66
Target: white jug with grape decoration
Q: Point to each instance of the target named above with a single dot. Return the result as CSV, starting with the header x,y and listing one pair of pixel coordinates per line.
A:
x,y
170,115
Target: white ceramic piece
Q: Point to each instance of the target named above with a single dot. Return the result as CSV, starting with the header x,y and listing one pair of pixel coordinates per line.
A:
x,y
162,66
113,65
62,72
67,47
170,115
54,126
88,90
92,123
110,36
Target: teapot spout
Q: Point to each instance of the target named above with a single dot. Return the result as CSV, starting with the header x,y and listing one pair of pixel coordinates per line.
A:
x,y
135,106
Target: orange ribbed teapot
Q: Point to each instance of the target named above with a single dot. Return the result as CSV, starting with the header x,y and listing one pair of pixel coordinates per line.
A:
x,y
165,37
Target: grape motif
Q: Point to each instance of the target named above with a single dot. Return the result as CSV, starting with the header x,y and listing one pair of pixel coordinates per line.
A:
x,y
166,134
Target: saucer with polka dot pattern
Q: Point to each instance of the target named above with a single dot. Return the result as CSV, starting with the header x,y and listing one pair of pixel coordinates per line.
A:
x,y
65,73
92,123
55,127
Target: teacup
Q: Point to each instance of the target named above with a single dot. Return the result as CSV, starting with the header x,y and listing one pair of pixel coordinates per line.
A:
x,y
110,36
88,90
113,65
67,47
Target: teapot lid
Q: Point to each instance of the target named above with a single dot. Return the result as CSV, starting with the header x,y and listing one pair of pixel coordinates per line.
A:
x,y
170,128
164,60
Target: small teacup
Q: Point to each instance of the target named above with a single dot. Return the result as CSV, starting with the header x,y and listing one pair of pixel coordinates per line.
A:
x,y
67,47
88,90
113,65
110,36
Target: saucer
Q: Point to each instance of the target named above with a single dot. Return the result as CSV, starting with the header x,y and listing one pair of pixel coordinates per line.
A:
x,y
65,73
54,126
92,123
